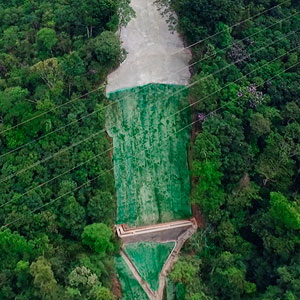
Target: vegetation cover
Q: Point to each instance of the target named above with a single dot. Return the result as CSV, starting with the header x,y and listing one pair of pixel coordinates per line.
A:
x,y
131,289
54,57
149,259
150,153
245,156
246,151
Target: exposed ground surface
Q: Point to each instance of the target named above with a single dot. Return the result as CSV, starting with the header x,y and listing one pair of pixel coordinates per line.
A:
x,y
150,160
154,53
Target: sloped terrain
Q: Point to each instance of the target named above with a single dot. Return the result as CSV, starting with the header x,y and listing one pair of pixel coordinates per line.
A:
x,y
131,289
149,258
154,54
150,158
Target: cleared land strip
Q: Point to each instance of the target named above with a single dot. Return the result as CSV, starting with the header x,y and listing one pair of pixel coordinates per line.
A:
x,y
152,187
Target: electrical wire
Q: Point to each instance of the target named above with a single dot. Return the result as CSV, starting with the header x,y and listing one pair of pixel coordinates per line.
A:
x,y
93,91
93,179
127,97
237,24
177,112
175,93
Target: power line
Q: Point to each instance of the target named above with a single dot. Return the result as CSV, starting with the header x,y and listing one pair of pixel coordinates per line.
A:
x,y
237,24
92,91
93,179
243,39
127,97
54,200
177,112
52,109
175,93
56,177
50,157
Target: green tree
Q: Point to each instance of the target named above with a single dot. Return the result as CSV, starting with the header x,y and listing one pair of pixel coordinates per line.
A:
x,y
125,13
100,206
98,237
72,216
230,277
198,296
195,14
223,35
259,124
14,246
49,70
22,273
205,92
285,212
101,293
82,278
183,271
72,66
10,38
275,163
44,278
107,49
46,38
208,192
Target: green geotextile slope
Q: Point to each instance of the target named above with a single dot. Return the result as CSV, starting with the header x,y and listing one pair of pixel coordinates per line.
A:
x,y
149,258
131,289
150,161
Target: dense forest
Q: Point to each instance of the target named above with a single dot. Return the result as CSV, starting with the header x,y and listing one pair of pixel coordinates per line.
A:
x,y
54,59
246,151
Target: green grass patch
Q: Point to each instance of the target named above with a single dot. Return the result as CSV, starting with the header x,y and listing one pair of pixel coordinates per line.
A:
x,y
149,258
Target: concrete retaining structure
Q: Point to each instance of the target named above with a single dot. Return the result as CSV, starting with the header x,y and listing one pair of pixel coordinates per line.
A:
x,y
177,231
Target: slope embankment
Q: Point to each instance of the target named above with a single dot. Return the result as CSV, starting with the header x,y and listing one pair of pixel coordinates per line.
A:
x,y
151,136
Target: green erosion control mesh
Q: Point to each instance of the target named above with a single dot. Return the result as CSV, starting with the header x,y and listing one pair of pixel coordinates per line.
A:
x,y
149,258
131,288
153,184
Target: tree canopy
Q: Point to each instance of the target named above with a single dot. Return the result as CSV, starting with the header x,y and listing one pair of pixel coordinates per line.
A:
x,y
54,58
245,155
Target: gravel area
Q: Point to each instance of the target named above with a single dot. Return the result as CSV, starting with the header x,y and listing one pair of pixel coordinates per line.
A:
x,y
155,54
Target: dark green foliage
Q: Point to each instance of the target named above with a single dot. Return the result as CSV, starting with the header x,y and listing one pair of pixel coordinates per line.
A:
x,y
196,17
107,49
246,155
98,237
45,61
